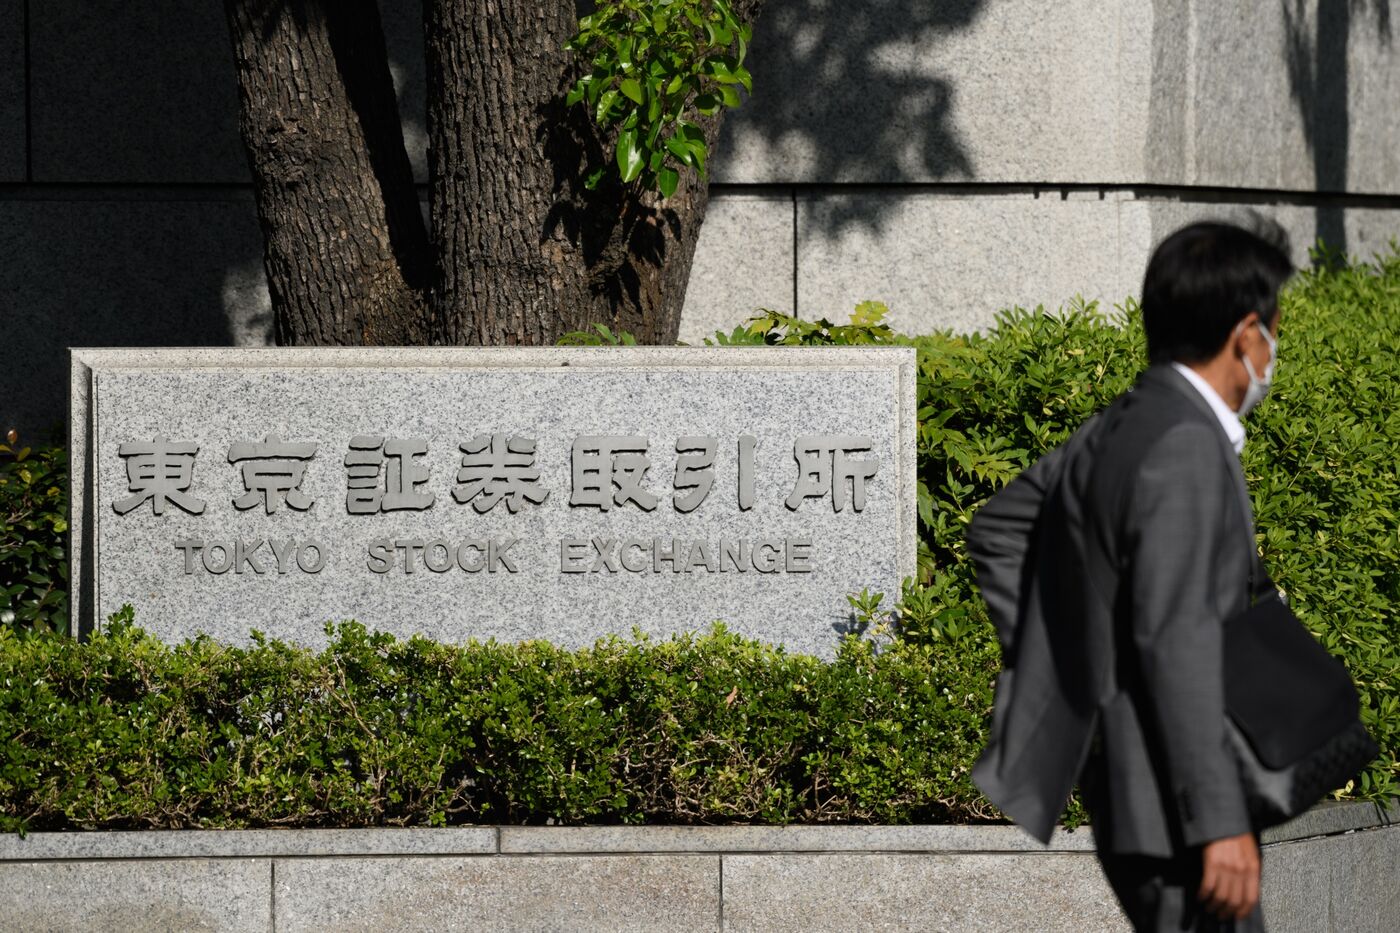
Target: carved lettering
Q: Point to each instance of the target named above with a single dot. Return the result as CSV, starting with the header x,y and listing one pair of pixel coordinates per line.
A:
x,y
159,472
272,473
381,555
497,468
311,564
244,555
695,470
609,470
381,476
465,559
825,467
190,546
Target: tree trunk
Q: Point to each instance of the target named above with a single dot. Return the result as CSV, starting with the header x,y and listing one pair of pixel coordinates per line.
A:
x,y
525,253
521,253
345,249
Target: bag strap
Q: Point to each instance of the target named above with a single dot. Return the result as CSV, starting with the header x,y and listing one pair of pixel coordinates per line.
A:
x,y
1261,585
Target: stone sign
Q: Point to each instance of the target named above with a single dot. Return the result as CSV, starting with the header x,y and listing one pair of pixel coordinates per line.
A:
x,y
555,493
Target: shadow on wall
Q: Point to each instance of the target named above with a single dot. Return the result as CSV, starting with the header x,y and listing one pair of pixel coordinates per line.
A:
x,y
1318,83
830,63
403,39
117,272
143,237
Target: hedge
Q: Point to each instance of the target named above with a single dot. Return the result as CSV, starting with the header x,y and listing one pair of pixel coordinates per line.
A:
x,y
33,539
123,731
887,732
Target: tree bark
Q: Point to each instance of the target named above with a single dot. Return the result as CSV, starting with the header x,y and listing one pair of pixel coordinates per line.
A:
x,y
526,253
520,253
345,248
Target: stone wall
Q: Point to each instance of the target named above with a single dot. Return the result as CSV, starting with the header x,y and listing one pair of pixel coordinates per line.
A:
x,y
949,158
1330,871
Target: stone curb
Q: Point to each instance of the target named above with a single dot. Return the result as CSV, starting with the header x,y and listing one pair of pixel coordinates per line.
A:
x,y
1326,819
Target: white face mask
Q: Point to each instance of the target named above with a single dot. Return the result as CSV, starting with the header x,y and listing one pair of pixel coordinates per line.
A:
x,y
1259,385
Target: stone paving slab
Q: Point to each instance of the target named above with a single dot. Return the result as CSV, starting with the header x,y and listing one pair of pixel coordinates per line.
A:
x,y
539,839
197,843
149,895
1334,816
1341,884
809,893
619,893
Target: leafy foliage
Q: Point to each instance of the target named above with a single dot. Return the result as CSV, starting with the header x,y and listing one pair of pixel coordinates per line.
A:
x,y
1320,459
600,336
1322,465
123,731
652,63
33,559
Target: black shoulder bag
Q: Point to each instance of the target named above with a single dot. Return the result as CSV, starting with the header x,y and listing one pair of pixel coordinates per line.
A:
x,y
1292,710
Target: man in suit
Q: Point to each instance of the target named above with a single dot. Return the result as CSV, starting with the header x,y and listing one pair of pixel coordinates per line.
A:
x,y
1109,568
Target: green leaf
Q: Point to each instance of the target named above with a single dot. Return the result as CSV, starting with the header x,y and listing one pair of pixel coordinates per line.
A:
x,y
681,150
631,89
689,131
697,148
870,313
629,156
605,102
667,179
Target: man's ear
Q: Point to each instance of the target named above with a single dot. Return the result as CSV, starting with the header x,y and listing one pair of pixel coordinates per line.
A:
x,y
1239,337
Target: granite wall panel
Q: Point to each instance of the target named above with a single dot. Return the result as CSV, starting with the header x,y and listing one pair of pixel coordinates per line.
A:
x,y
603,893
171,272
174,895
743,262
13,115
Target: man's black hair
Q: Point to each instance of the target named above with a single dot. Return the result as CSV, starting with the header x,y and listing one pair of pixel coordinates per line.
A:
x,y
1203,279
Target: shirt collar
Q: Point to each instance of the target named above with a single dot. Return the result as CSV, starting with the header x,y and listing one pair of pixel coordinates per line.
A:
x,y
1229,420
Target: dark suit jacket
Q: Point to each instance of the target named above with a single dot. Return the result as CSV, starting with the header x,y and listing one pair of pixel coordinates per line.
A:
x,y
1108,568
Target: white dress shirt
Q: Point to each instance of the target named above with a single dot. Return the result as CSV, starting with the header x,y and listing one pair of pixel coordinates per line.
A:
x,y
1229,420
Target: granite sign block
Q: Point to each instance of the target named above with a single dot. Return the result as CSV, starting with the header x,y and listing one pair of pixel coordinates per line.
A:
x,y
558,493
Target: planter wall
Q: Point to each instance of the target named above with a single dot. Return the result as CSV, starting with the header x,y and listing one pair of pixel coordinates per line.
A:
x,y
1333,869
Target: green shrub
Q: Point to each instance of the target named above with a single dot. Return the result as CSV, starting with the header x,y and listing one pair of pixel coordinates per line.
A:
x,y
123,731
126,732
1321,457
1323,464
33,539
